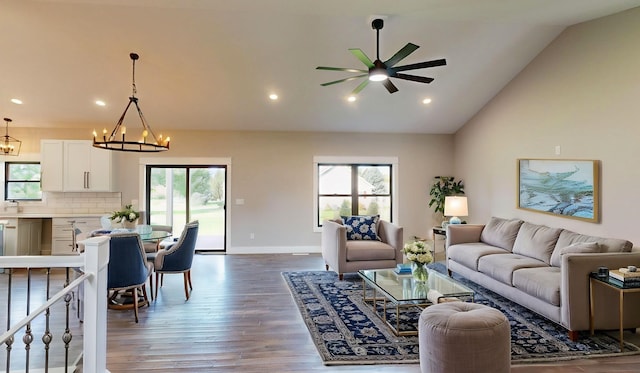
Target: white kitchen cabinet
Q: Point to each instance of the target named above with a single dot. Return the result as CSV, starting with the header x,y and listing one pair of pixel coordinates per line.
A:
x,y
23,237
51,165
86,169
75,166
62,233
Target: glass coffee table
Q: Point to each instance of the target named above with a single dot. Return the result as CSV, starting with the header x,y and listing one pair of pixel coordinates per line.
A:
x,y
403,292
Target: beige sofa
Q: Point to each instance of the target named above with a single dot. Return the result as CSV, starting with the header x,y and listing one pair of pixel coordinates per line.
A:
x,y
544,269
345,256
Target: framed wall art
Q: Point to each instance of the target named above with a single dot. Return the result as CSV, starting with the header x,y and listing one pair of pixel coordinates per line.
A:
x,y
562,187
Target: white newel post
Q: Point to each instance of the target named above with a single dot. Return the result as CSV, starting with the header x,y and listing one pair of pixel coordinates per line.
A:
x,y
96,252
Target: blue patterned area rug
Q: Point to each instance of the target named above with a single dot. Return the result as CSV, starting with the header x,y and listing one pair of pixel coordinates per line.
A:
x,y
346,331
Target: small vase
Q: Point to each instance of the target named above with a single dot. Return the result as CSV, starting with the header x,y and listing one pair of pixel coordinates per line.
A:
x,y
129,224
419,272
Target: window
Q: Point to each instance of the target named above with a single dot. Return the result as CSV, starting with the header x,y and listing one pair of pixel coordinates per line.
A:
x,y
354,188
22,181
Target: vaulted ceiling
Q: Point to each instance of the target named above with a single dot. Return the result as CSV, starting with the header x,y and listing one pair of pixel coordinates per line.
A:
x,y
211,65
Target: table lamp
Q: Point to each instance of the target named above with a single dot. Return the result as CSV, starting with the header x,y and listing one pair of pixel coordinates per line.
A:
x,y
455,206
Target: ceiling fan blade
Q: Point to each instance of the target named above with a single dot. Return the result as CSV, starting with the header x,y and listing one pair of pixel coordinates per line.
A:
x,y
360,87
401,54
361,56
344,80
413,78
390,86
341,69
419,65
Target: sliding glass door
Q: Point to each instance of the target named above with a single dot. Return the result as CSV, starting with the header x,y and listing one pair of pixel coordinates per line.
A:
x,y
177,195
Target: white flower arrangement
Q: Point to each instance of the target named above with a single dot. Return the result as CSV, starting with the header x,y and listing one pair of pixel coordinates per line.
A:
x,y
128,214
418,252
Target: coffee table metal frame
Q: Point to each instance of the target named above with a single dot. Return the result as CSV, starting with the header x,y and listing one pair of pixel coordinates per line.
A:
x,y
403,292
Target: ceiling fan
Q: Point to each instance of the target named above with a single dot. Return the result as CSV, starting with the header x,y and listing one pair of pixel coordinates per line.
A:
x,y
379,71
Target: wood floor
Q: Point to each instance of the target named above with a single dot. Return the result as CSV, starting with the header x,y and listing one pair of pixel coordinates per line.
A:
x,y
242,318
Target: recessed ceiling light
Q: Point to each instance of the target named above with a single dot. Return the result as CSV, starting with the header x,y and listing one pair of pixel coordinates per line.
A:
x,y
16,101
352,98
273,96
100,103
426,101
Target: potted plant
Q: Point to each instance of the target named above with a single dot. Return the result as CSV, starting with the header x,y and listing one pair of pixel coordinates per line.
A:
x,y
442,187
127,216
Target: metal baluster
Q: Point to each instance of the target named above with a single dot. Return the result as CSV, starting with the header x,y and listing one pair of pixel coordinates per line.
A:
x,y
27,338
9,342
66,336
47,336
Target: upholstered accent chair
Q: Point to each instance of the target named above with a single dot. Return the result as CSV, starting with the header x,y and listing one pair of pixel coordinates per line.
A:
x,y
343,255
128,269
177,258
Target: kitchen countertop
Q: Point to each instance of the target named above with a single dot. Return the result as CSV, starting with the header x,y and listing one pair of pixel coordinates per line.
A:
x,y
44,215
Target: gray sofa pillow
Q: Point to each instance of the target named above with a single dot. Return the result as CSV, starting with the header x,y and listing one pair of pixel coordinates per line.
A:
x,y
577,247
501,232
536,241
607,245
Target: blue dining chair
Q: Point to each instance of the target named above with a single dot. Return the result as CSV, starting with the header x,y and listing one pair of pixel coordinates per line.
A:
x,y
177,258
128,269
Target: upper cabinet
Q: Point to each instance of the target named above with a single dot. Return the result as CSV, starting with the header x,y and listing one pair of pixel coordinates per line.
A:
x,y
75,166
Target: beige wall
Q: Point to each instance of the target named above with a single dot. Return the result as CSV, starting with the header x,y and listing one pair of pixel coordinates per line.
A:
x,y
273,173
581,93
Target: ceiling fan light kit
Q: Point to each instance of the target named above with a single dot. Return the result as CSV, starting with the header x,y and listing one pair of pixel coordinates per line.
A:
x,y
148,141
379,71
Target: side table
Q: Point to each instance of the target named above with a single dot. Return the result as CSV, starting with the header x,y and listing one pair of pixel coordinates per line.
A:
x,y
440,232
614,285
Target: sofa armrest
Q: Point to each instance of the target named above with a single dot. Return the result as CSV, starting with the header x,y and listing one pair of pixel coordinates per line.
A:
x,y
392,234
574,287
463,233
334,243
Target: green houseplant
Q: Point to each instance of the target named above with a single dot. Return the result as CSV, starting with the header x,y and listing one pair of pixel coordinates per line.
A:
x,y
442,187
127,216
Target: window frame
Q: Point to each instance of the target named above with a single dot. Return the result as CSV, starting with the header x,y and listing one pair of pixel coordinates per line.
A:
x,y
8,182
355,162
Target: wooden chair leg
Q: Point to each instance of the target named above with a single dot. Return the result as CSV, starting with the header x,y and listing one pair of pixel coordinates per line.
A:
x,y
151,286
189,277
135,303
144,293
157,285
186,284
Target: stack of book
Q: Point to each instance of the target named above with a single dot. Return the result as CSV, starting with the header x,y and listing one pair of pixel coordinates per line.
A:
x,y
403,269
625,276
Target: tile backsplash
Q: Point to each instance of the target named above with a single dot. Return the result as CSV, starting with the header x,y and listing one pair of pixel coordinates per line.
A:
x,y
71,203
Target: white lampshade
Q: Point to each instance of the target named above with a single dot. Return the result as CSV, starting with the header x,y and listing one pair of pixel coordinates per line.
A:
x,y
455,206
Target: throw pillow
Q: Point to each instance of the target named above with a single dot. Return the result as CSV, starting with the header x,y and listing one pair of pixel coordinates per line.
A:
x,y
362,227
578,247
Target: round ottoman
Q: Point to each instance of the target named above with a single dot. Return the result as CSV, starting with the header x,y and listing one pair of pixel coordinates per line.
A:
x,y
464,337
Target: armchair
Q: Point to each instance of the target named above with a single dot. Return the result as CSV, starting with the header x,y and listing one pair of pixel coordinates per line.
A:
x,y
345,256
178,257
128,268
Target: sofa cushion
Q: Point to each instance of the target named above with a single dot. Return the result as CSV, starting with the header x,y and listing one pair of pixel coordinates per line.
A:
x,y
577,247
369,250
501,232
468,254
542,283
501,266
362,227
536,241
607,245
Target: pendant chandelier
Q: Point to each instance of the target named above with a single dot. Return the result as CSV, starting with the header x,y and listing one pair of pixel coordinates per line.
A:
x,y
9,145
117,140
